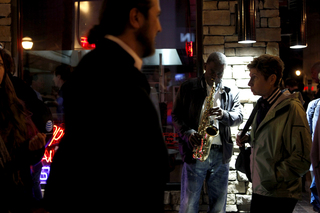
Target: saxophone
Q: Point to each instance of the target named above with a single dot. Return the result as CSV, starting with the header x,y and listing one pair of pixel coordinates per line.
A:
x,y
206,130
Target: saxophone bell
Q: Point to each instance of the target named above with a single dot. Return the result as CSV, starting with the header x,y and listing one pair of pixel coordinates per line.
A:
x,y
212,130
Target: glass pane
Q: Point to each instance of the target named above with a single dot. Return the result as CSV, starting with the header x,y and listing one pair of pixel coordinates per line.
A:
x,y
59,29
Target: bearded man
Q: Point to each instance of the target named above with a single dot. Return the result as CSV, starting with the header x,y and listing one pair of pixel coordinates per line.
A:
x,y
113,151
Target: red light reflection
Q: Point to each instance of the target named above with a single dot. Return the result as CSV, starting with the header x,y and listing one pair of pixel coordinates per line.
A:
x,y
85,44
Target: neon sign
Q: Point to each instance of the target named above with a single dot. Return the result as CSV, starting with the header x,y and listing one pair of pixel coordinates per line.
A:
x,y
189,49
48,155
170,140
85,44
44,173
49,152
58,133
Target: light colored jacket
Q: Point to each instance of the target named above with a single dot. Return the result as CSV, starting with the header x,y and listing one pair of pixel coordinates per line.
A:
x,y
280,149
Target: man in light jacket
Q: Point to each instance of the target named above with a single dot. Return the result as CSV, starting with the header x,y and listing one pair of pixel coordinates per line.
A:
x,y
280,140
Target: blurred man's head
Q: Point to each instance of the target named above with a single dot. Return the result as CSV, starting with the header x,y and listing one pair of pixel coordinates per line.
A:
x,y
315,70
130,18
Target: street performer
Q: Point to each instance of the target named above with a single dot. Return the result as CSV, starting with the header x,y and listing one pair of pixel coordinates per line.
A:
x,y
188,108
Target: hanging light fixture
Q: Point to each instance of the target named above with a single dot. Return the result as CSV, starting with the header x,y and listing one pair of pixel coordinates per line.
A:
x,y
246,21
27,43
298,21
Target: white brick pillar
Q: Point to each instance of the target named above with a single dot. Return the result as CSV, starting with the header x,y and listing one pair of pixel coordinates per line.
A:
x,y
219,34
5,23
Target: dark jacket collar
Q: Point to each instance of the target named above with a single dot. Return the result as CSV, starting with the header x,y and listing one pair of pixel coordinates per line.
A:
x,y
115,50
123,62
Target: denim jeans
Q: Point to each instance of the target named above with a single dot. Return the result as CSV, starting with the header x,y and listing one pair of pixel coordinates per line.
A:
x,y
192,178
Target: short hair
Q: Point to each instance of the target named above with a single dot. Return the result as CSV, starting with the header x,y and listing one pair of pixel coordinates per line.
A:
x,y
64,71
218,58
114,17
316,66
268,65
290,82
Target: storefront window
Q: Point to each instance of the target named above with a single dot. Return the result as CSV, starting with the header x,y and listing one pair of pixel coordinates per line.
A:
x,y
58,30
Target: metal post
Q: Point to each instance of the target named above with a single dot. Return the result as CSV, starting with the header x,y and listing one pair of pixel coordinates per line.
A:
x,y
161,79
199,38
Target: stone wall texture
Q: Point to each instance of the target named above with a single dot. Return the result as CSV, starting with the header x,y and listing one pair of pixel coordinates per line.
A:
x,y
5,23
219,34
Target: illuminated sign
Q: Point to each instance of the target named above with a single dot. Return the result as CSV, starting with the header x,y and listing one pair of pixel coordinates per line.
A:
x,y
45,171
48,155
49,152
187,37
170,139
189,49
85,44
58,132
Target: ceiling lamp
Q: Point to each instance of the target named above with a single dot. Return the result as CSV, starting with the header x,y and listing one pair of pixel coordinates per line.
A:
x,y
298,20
27,43
246,21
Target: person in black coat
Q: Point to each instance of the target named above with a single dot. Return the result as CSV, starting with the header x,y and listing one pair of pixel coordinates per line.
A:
x,y
113,154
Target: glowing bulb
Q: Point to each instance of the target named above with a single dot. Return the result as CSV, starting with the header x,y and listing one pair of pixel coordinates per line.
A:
x,y
27,43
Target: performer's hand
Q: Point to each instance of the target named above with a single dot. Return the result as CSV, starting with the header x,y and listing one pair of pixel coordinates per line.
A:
x,y
217,111
195,139
37,142
241,141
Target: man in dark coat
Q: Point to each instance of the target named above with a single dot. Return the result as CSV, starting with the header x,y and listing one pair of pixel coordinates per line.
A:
x,y
113,154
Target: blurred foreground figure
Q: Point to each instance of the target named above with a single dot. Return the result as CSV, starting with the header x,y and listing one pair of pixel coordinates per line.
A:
x,y
113,154
21,145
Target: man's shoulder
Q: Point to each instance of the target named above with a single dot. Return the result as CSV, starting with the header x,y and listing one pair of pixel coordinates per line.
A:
x,y
107,60
108,51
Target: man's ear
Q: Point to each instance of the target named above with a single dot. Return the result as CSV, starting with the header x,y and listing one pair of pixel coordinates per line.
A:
x,y
273,79
136,19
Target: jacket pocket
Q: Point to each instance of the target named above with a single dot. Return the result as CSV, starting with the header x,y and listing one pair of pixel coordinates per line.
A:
x,y
269,179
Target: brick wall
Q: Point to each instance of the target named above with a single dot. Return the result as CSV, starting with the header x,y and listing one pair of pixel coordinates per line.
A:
x,y
5,23
219,19
219,34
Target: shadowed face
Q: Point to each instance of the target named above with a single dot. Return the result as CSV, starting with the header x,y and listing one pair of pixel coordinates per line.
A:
x,y
147,33
259,85
214,71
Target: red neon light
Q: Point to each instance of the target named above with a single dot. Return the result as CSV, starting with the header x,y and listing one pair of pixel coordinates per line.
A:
x,y
58,132
189,49
85,44
48,156
312,88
